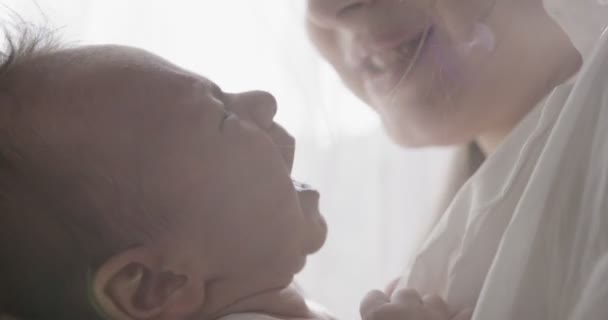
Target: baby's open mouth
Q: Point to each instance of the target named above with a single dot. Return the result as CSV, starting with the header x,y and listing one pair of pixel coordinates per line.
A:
x,y
301,186
308,196
314,221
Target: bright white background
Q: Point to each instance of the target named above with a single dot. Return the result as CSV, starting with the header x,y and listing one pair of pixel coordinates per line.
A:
x,y
376,197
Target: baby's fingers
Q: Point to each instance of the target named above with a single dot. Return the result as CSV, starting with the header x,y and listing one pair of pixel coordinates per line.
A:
x,y
407,298
392,286
372,301
396,312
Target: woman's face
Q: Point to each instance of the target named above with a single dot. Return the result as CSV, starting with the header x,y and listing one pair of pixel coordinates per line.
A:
x,y
439,71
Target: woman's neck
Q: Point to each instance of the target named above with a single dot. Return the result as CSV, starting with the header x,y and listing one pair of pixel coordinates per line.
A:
x,y
552,62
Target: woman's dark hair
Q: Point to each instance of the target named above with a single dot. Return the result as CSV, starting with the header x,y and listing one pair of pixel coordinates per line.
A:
x,y
58,223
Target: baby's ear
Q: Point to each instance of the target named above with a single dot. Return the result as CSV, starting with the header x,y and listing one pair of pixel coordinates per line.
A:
x,y
134,285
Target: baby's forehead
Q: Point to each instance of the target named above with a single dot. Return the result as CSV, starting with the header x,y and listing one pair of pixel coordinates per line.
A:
x,y
105,79
117,69
94,95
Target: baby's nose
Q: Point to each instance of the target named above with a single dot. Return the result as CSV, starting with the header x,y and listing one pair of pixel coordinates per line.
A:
x,y
258,107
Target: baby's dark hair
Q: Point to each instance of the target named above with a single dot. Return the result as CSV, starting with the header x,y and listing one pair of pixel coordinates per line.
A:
x,y
40,268
58,223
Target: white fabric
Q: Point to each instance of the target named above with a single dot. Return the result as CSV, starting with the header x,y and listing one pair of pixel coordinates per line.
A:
x,y
527,236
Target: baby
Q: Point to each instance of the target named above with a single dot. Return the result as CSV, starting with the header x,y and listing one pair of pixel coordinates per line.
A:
x,y
133,189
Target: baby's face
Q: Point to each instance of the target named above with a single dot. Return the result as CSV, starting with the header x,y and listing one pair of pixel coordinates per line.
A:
x,y
214,162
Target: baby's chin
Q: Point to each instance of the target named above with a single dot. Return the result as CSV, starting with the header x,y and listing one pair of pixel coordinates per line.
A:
x,y
319,235
285,302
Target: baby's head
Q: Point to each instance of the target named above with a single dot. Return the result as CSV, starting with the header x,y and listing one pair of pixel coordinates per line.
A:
x,y
132,186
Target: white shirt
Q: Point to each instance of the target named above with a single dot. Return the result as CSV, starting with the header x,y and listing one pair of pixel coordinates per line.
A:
x,y
527,236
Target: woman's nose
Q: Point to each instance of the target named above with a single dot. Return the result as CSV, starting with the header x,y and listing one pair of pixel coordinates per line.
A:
x,y
334,13
258,107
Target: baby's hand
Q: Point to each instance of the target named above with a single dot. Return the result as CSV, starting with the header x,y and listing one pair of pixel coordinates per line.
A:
x,y
406,304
